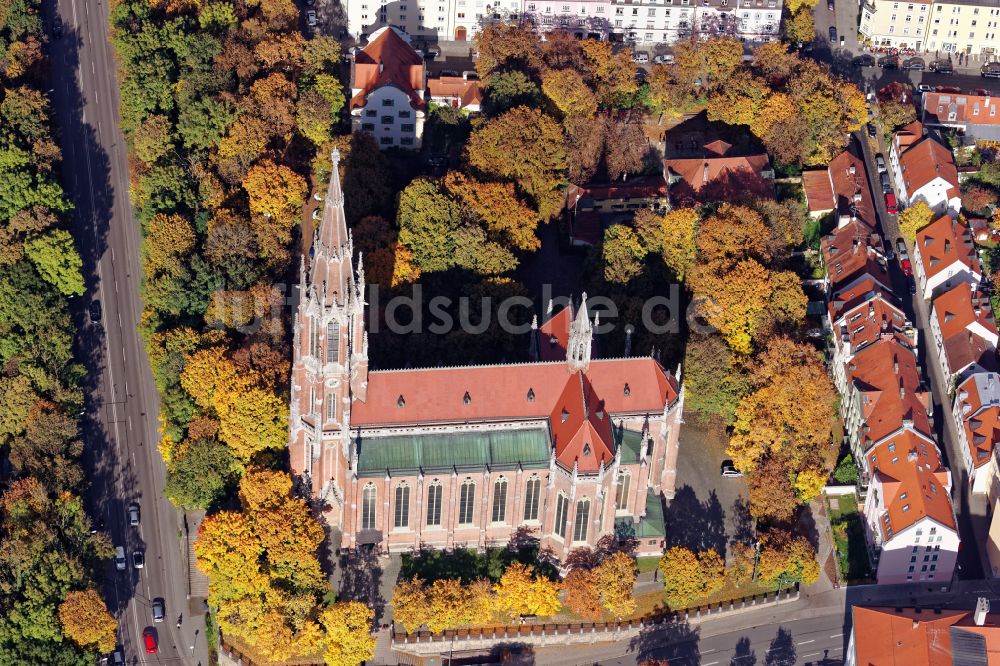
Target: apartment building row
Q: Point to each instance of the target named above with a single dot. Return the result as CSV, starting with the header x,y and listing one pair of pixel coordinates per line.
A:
x,y
909,519
639,21
970,27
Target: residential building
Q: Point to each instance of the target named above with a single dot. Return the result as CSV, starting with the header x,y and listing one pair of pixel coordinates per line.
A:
x,y
387,90
976,116
977,419
896,24
853,253
923,636
909,518
924,170
944,256
842,186
459,92
964,333
862,315
592,207
719,172
642,22
447,457
970,27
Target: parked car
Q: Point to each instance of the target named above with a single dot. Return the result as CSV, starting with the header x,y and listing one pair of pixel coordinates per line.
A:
x,y
118,657
57,27
890,203
833,34
158,610
914,63
954,90
982,91
889,254
872,132
138,559
133,514
663,59
829,5
906,267
942,67
923,87
880,163
729,470
990,70
641,58
842,41
886,183
901,248
311,19
864,61
95,311
120,562
149,640
888,62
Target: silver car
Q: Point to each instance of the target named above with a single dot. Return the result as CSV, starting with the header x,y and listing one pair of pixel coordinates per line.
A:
x,y
120,562
158,611
880,163
133,514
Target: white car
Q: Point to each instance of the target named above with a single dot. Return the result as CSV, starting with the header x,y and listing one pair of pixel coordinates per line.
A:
x,y
311,20
663,60
640,58
880,163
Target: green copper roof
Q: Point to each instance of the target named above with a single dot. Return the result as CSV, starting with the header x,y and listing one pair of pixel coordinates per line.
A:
x,y
434,451
631,443
651,525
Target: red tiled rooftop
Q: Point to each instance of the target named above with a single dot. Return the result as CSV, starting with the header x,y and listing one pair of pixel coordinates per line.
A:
x,y
468,92
388,60
903,637
942,243
972,109
886,376
978,401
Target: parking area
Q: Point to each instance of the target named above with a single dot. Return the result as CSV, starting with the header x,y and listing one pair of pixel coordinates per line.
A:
x,y
708,510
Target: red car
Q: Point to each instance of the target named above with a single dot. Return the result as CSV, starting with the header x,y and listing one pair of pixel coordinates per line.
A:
x,y
149,639
890,203
907,268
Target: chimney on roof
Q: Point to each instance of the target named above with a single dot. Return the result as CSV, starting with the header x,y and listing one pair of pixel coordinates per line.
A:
x,y
851,169
381,66
982,608
912,456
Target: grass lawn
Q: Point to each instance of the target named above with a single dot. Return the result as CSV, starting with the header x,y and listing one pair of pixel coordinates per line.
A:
x,y
649,602
849,537
647,564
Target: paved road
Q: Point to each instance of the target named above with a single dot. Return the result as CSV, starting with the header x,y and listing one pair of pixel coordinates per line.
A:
x,y
970,511
122,461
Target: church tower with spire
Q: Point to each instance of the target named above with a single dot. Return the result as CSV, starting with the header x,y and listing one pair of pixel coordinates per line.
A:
x,y
581,339
330,355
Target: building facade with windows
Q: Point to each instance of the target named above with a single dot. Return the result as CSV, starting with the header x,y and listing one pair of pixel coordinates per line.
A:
x,y
894,23
641,21
387,91
569,446
941,27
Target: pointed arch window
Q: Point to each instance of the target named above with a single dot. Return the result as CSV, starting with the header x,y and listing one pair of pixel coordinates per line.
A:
x,y
467,502
401,517
582,520
434,492
368,507
562,513
622,486
500,500
333,342
531,494
331,408
313,336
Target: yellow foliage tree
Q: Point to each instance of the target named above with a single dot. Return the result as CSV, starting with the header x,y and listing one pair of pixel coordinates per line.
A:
x,y
169,238
734,303
520,593
615,580
348,640
809,483
786,558
498,206
205,372
411,604
274,190
251,421
448,605
86,621
680,234
689,576
915,218
569,92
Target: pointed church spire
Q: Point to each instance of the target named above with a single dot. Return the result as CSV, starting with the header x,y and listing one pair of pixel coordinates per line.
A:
x,y
333,227
581,336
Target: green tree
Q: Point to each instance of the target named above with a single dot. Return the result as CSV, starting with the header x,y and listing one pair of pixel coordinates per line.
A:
x,y
846,471
203,122
508,89
427,221
623,254
57,261
200,475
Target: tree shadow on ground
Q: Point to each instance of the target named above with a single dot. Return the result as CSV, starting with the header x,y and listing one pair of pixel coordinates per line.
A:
x,y
744,528
781,652
743,654
674,642
695,524
361,580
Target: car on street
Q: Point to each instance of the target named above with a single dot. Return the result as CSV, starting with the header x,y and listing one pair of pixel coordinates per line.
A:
x,y
311,19
954,90
883,179
990,70
641,58
880,163
904,258
942,67
917,64
120,562
95,311
888,62
729,470
829,5
133,514
117,657
982,91
138,559
889,254
833,34
663,59
149,640
872,132
842,40
923,87
158,610
57,27
864,61
913,285
890,203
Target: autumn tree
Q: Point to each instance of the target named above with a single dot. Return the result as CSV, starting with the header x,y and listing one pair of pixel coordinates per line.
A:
x,y
679,229
688,576
86,621
611,74
771,493
733,233
976,198
348,640
519,592
736,307
801,27
712,62
523,146
582,594
274,190
567,90
615,581
498,206
786,558
411,604
507,46
623,254
915,218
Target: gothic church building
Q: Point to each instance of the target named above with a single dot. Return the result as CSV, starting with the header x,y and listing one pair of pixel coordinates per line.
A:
x,y
569,446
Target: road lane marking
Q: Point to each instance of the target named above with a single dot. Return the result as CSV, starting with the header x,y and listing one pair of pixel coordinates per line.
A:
x,y
836,635
811,640
811,654
710,663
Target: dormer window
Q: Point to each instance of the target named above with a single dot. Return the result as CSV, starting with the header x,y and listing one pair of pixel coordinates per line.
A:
x,y
400,402
531,395
565,415
586,449
627,390
466,398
